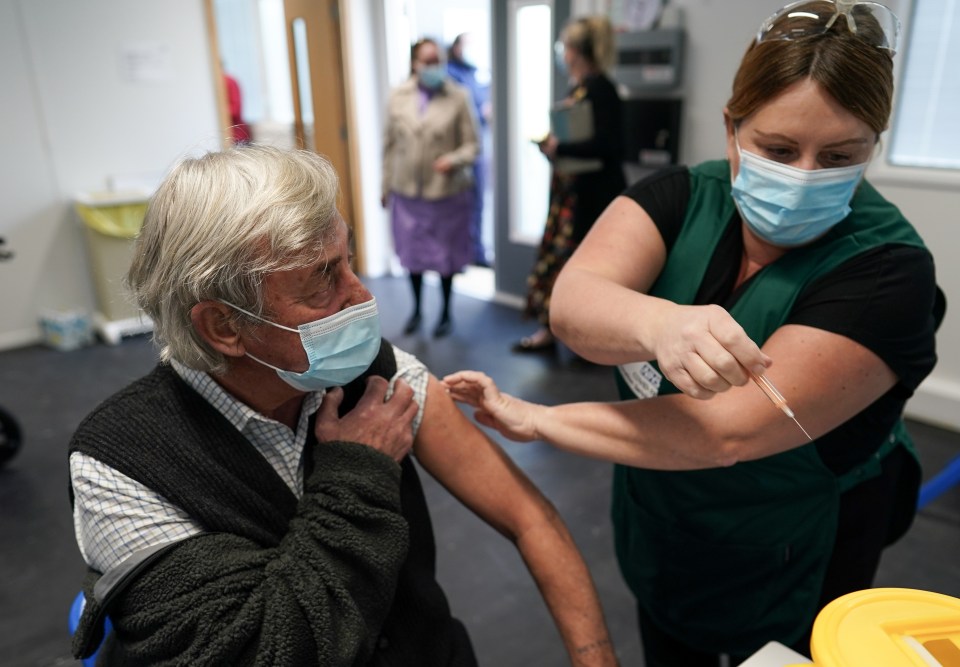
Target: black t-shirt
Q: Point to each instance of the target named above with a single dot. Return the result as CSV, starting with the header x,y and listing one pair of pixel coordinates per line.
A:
x,y
596,189
885,299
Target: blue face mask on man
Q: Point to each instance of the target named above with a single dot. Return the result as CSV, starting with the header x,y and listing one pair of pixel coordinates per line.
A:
x,y
787,206
339,347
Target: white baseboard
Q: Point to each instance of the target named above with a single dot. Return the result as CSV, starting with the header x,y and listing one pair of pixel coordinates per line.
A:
x,y
10,340
936,401
511,300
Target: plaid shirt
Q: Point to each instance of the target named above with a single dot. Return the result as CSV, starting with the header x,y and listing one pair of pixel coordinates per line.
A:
x,y
115,516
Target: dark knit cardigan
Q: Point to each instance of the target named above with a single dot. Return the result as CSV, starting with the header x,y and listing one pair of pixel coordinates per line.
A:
x,y
344,576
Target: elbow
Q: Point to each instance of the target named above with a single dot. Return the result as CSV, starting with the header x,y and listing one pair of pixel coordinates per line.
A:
x,y
559,325
561,322
731,449
726,459
565,329
723,450
722,457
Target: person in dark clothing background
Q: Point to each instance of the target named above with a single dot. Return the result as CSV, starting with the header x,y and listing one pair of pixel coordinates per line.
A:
x,y
587,173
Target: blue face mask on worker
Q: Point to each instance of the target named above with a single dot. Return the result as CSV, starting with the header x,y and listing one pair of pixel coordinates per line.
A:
x,y
431,76
339,347
787,206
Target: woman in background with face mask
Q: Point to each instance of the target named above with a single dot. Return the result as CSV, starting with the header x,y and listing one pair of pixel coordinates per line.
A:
x,y
732,527
429,147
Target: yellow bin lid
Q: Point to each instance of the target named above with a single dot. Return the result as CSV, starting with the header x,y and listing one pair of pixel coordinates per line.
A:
x,y
888,627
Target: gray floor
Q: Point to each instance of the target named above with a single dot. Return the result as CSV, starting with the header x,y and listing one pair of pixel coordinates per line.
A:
x,y
51,391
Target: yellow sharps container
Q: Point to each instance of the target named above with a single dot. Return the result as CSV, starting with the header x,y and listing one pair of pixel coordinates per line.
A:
x,y
888,627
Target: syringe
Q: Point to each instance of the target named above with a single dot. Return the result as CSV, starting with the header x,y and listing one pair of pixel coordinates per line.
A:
x,y
777,399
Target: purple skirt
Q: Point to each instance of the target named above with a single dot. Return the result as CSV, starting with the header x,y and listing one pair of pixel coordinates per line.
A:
x,y
433,235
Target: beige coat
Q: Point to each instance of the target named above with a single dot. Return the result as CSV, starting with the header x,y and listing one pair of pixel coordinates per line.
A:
x,y
412,142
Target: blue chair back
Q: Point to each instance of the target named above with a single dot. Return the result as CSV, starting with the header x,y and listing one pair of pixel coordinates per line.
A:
x,y
76,610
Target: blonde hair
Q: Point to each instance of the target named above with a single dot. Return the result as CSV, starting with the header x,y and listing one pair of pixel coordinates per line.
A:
x,y
216,226
592,37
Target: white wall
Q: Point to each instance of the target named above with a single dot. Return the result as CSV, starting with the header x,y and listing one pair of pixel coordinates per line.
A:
x,y
29,218
364,40
76,116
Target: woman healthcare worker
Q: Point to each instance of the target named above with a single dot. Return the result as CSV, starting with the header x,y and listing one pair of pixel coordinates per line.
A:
x,y
732,528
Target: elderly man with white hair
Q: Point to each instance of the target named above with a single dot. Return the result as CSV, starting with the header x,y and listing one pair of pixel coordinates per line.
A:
x,y
252,500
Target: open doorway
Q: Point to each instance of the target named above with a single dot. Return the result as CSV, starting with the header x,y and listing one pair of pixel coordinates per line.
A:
x,y
252,45
470,64
285,84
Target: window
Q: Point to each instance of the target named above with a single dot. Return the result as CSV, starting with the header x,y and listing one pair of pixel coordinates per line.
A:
x,y
530,95
926,125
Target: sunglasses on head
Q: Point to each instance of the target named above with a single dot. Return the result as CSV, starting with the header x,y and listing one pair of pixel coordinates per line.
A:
x,y
869,21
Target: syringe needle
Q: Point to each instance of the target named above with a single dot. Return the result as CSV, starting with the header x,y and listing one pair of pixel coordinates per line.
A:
x,y
777,399
802,429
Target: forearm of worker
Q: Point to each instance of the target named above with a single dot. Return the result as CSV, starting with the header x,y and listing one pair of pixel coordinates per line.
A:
x,y
479,474
598,306
664,433
825,377
603,321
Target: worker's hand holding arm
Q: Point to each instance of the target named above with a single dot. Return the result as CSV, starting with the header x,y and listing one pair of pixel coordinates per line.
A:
x,y
825,377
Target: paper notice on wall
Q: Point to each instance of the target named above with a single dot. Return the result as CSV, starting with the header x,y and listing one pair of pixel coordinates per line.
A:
x,y
146,62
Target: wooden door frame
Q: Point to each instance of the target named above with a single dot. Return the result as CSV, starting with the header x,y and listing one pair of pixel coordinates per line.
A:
x,y
216,67
327,22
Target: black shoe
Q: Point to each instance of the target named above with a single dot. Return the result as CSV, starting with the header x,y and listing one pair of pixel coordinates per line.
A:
x,y
412,324
444,327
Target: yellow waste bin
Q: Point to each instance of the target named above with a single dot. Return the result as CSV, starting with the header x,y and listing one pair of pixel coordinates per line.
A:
x,y
888,627
878,627
112,220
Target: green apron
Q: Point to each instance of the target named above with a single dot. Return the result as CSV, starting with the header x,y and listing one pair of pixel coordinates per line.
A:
x,y
729,558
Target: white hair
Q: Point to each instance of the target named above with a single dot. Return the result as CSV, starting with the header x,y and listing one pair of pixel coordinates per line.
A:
x,y
216,226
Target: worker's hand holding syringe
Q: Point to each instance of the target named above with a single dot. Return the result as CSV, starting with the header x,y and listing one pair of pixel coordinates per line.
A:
x,y
706,351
